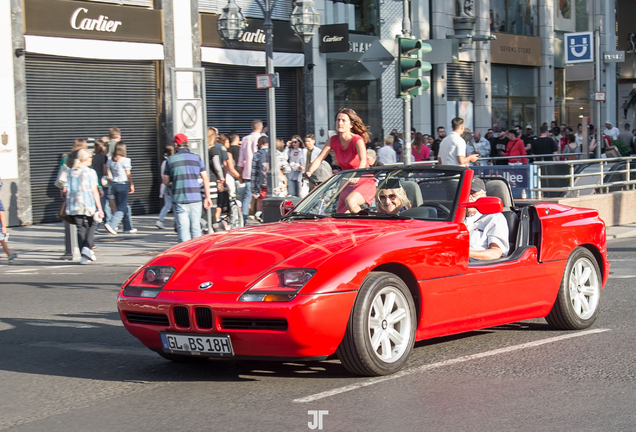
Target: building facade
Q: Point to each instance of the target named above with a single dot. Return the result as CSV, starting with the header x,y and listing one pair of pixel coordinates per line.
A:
x,y
80,67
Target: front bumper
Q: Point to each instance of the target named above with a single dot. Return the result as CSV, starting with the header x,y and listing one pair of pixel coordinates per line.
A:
x,y
307,326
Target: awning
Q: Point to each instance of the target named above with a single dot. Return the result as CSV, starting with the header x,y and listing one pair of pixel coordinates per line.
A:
x,y
91,48
250,58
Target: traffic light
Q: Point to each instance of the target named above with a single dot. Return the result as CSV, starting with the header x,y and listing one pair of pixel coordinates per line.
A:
x,y
409,68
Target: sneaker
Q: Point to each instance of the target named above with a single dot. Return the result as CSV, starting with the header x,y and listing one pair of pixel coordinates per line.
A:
x,y
12,258
110,229
84,260
86,252
132,231
159,224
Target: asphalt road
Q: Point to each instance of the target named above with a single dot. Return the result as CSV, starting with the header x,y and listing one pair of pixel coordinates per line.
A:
x,y
67,364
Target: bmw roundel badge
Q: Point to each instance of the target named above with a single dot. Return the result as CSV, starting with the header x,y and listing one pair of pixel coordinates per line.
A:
x,y
205,285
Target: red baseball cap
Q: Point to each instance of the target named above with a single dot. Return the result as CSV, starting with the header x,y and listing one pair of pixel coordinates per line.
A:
x,y
180,139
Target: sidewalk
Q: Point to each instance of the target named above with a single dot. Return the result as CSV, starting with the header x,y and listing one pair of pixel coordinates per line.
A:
x,y
44,244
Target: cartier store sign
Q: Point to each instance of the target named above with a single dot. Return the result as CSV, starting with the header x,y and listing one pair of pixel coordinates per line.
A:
x,y
92,20
516,50
285,40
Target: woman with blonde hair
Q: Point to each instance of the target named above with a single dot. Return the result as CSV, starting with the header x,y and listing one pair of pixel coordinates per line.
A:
x,y
119,166
349,146
392,198
83,203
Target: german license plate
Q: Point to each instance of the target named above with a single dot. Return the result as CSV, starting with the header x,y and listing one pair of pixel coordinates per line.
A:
x,y
196,344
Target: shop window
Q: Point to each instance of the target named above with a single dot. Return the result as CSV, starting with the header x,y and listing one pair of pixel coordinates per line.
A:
x,y
514,16
515,92
577,102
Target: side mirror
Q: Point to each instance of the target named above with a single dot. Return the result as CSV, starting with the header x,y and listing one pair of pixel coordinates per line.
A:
x,y
486,205
286,206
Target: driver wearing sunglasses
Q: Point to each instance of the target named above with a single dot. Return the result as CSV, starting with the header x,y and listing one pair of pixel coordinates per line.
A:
x,y
391,198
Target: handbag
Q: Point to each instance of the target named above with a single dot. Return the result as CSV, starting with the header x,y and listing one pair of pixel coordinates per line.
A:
x,y
62,215
62,177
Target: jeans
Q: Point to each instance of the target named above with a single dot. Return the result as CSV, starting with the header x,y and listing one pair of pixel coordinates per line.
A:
x,y
188,218
293,188
121,190
108,214
167,205
85,230
247,198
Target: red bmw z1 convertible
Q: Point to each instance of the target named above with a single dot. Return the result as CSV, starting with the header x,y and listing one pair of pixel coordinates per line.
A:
x,y
366,285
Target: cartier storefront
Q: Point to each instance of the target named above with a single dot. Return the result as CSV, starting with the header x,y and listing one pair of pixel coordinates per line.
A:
x,y
232,99
89,67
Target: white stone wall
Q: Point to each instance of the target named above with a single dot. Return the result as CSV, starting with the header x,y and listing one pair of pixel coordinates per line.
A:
x,y
392,108
9,152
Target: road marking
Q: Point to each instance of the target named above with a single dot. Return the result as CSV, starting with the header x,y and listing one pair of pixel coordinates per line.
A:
x,y
430,366
21,270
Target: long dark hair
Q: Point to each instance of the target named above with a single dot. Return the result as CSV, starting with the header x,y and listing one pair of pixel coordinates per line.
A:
x,y
418,141
357,125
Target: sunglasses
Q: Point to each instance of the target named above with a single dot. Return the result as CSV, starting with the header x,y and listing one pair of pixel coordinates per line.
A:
x,y
392,197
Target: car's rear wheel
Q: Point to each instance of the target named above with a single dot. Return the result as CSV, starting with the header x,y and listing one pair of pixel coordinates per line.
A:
x,y
577,304
381,329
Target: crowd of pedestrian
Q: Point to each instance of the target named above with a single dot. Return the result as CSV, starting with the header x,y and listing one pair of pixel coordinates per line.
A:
x,y
96,185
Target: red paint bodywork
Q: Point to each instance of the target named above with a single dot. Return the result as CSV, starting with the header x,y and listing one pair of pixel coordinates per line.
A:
x,y
432,257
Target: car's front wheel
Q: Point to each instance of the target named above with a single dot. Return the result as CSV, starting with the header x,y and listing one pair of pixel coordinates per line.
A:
x,y
381,329
577,304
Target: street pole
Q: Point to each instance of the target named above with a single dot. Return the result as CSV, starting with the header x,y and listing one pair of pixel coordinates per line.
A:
x,y
406,31
599,131
268,26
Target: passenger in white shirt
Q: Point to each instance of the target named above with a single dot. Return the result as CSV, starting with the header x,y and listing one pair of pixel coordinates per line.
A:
x,y
611,131
386,154
488,233
452,149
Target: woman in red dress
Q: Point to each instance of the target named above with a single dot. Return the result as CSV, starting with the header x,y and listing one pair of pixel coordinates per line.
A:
x,y
351,153
420,151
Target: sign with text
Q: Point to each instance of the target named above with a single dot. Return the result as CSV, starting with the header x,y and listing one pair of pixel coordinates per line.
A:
x,y
91,20
579,47
334,38
518,176
516,50
614,56
285,40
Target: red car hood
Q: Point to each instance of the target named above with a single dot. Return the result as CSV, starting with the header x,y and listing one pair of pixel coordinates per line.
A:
x,y
234,260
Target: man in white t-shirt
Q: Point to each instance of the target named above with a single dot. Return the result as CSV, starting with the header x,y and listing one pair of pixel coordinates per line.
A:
x,y
386,154
611,131
488,233
452,149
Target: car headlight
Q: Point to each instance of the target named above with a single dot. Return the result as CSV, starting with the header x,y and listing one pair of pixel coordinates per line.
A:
x,y
149,282
278,286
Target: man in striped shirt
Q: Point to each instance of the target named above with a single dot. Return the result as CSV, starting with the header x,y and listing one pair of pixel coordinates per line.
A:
x,y
184,173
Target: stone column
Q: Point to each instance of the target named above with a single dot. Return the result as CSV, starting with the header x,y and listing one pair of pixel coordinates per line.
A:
x,y
319,103
546,72
483,96
391,13
15,101
442,19
420,20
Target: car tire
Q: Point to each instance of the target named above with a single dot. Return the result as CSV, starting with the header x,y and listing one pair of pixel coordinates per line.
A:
x,y
381,329
176,358
578,301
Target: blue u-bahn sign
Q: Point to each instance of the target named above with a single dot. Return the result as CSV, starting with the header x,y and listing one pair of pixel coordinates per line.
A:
x,y
579,47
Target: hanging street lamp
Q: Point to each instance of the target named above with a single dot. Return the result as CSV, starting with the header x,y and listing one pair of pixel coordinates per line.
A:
x,y
232,22
305,19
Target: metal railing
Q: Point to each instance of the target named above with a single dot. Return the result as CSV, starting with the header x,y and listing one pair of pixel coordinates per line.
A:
x,y
581,170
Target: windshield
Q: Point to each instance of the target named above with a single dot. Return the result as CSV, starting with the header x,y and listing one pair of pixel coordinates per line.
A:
x,y
396,192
